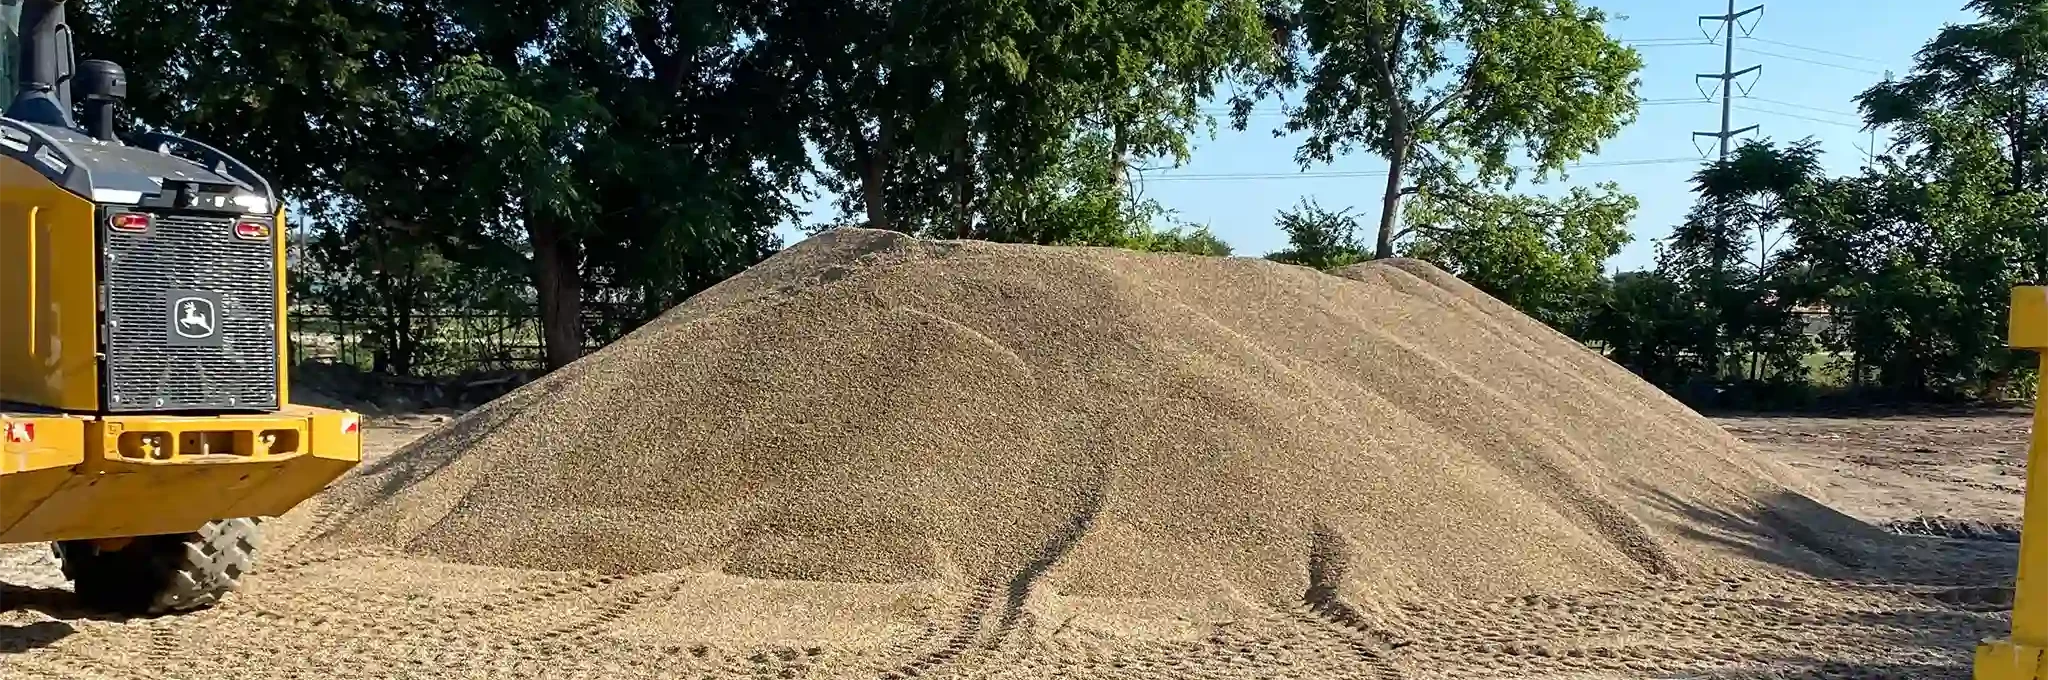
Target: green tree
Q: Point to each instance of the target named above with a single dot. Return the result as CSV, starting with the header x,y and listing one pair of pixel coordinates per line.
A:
x,y
1643,320
1915,257
601,150
1446,88
585,161
302,110
1919,251
1545,257
1190,240
1319,238
1993,67
929,117
1079,200
1723,255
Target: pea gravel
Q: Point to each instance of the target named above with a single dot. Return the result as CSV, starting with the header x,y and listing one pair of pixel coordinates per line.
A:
x,y
870,408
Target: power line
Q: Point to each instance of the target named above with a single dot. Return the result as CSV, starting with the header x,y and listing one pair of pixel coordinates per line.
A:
x,y
1815,109
1688,43
1729,22
1679,39
1816,50
1259,112
1332,174
1799,116
1815,62
1759,109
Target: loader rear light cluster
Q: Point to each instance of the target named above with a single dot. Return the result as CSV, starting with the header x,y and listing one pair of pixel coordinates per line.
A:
x,y
252,230
21,433
129,222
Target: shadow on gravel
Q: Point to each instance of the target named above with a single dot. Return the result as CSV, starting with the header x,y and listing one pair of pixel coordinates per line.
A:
x,y
46,600
20,639
1791,532
1809,538
24,637
1946,594
52,602
1841,671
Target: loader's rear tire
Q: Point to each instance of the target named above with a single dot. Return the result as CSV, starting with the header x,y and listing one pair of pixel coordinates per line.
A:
x,y
163,574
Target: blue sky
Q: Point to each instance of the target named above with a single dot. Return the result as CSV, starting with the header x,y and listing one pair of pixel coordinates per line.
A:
x,y
1815,55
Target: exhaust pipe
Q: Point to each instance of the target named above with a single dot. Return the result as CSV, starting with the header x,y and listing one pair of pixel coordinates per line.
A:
x,y
45,94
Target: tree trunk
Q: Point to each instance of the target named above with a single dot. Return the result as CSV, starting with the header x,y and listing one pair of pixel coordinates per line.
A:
x,y
407,338
1120,162
1390,203
2019,152
871,194
2022,153
557,276
963,189
874,179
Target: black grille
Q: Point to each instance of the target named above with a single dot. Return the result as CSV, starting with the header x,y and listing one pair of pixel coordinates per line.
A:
x,y
174,270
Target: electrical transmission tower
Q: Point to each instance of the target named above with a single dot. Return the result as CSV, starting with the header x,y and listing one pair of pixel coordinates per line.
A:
x,y
1728,73
1727,76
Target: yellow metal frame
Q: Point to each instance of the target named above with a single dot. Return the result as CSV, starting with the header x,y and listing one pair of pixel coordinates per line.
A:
x,y
2024,656
49,299
284,348
87,477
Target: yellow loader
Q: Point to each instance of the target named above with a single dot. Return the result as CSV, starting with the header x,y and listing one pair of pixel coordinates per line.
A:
x,y
145,425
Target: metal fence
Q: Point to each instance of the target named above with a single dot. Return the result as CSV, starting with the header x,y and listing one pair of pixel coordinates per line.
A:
x,y
449,338
445,343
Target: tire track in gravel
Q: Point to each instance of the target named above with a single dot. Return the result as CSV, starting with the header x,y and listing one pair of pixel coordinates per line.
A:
x,y
974,624
295,561
163,642
527,600
1323,608
928,635
454,623
307,521
69,663
1698,629
41,667
616,608
968,626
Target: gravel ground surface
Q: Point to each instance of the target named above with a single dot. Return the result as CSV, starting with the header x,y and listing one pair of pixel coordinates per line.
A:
x,y
873,457
343,618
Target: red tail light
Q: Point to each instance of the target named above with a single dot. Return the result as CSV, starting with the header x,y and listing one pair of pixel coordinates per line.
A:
x,y
129,222
21,433
252,230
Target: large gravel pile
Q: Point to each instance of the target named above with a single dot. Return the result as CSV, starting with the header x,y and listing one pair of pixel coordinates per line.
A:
x,y
867,407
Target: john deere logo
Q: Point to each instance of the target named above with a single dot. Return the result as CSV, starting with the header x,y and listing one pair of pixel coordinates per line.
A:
x,y
194,317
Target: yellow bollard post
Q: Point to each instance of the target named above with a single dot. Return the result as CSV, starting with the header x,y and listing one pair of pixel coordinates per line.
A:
x,y
2024,656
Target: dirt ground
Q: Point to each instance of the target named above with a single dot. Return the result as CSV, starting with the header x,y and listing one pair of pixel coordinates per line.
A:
x,y
1966,465
306,615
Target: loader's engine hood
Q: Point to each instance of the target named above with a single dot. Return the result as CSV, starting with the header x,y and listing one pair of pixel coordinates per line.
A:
x,y
60,119
157,170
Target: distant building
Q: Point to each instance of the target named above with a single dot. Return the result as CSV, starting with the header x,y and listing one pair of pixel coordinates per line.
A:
x,y
1817,318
